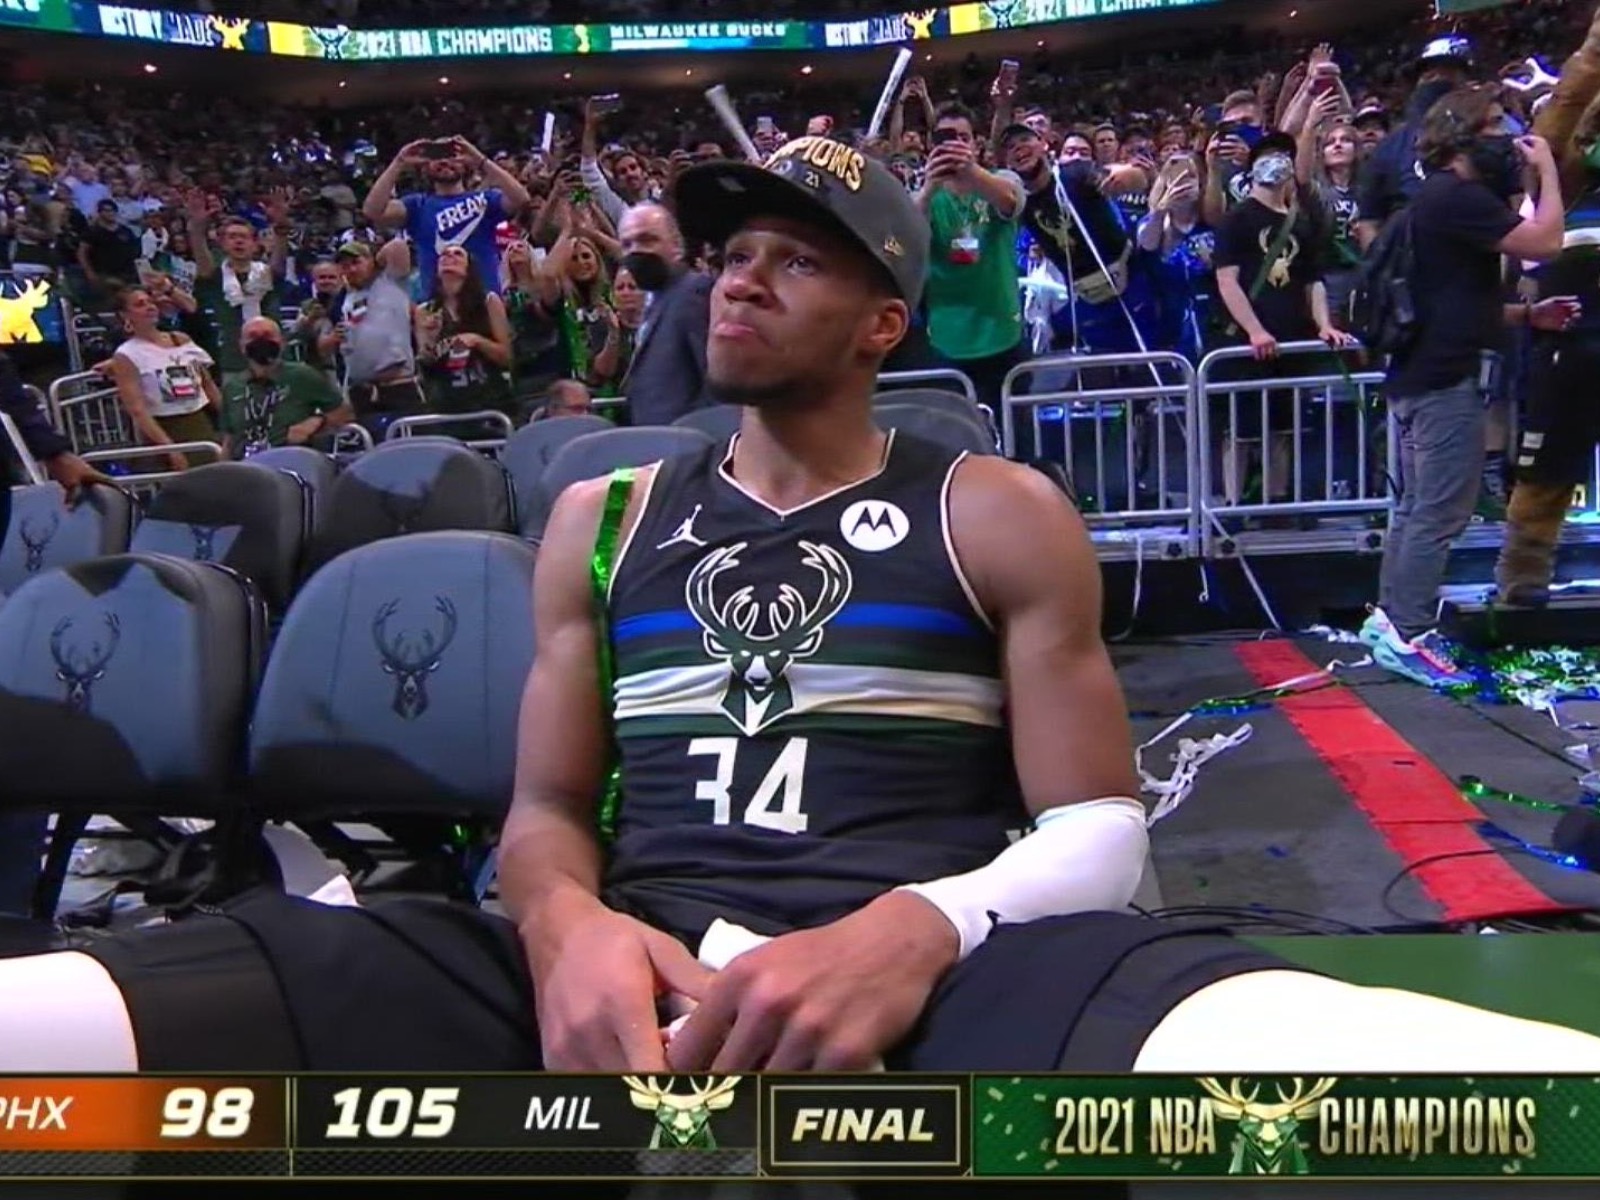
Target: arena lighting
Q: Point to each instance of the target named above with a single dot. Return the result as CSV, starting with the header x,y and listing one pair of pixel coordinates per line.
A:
x,y
567,75
150,68
444,79
806,70
341,83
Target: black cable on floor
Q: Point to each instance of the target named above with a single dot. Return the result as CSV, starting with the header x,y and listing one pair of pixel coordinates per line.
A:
x,y
1406,870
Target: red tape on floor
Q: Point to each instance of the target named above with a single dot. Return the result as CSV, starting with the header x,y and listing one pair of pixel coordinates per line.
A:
x,y
1412,803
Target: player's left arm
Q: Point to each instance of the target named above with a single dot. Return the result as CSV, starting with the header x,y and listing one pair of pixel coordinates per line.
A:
x,y
1027,555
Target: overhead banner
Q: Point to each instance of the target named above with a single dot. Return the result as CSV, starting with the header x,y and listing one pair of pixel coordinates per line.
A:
x,y
38,14
343,44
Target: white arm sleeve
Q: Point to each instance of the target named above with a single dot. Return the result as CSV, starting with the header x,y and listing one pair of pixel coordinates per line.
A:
x,y
1085,857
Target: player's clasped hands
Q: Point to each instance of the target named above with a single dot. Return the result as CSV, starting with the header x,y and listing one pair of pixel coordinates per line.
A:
x,y
834,998
596,984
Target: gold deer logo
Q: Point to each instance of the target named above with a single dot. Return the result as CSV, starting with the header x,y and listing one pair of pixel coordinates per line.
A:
x,y
231,32
1268,1141
1278,272
683,1122
16,313
921,23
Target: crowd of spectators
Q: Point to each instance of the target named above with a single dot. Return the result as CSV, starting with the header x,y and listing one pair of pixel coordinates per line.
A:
x,y
190,217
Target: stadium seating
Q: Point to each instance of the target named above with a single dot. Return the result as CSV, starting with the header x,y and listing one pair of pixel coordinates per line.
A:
x,y
597,454
395,683
413,485
528,452
936,425
313,468
718,422
235,514
125,682
45,533
953,403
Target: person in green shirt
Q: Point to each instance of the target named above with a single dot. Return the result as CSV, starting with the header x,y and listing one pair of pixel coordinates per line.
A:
x,y
974,307
273,402
238,286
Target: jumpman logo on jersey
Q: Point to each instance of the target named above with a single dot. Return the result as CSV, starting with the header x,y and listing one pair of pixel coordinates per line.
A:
x,y
684,535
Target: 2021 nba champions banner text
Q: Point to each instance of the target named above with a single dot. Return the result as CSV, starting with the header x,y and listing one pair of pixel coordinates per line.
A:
x,y
344,44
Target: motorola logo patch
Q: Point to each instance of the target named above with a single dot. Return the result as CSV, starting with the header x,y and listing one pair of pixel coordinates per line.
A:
x,y
874,525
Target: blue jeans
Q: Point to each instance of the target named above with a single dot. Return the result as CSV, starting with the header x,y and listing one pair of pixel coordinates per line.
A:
x,y
1441,468
21,848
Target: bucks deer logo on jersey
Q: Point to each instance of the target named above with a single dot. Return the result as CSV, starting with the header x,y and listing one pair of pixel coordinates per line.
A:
x,y
760,640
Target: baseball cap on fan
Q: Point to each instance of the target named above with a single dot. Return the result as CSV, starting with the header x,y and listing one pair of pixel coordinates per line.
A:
x,y
814,179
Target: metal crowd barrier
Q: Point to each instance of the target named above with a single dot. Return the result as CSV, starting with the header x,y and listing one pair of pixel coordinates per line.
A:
x,y
1121,425
403,427
1314,457
87,409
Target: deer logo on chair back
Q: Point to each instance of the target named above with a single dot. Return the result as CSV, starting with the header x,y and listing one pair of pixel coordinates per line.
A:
x,y
759,691
205,537
80,669
36,538
411,659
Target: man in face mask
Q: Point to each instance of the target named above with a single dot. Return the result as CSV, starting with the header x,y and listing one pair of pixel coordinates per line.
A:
x,y
1463,221
1393,172
276,403
667,375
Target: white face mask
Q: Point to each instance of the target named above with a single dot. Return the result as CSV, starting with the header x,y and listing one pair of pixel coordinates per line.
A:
x,y
1272,170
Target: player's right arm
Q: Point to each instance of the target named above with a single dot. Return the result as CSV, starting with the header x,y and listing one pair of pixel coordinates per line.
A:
x,y
596,973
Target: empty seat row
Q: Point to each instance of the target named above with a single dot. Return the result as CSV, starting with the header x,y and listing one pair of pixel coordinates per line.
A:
x,y
276,526
134,684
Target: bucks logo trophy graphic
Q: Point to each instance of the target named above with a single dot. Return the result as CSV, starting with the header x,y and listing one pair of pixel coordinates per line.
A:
x,y
1268,1141
683,1122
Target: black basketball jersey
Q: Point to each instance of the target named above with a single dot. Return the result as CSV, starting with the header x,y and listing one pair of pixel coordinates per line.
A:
x,y
808,703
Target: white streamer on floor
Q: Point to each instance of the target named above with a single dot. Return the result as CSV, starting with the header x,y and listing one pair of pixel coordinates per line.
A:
x,y
1194,753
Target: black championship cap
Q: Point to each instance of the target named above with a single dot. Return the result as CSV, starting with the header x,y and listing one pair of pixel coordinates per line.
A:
x,y
819,180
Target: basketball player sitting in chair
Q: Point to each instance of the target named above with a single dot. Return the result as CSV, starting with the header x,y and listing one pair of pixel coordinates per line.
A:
x,y
849,667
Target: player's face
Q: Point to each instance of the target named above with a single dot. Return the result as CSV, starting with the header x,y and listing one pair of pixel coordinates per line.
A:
x,y
795,309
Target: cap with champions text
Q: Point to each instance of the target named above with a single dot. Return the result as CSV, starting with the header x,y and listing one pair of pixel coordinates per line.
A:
x,y
813,179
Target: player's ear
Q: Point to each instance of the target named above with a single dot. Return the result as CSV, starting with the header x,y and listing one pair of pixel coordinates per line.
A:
x,y
886,326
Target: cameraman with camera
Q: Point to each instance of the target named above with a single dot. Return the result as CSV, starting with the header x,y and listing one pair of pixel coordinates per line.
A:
x,y
448,214
974,317
1462,220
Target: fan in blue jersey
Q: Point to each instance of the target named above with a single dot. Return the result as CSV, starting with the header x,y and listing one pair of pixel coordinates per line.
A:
x,y
850,666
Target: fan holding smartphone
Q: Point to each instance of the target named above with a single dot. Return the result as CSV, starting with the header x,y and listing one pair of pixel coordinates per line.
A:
x,y
974,320
448,213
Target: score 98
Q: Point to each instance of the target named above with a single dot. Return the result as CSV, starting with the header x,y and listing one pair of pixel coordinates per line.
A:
x,y
188,1112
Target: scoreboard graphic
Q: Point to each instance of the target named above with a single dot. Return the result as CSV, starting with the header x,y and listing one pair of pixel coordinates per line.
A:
x,y
570,1127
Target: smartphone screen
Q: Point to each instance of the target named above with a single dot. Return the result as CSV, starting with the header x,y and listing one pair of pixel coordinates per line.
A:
x,y
438,150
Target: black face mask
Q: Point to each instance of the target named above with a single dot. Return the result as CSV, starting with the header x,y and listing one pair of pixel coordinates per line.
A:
x,y
1498,164
650,271
262,351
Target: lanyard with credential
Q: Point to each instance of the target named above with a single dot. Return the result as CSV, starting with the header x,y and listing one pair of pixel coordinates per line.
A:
x,y
602,564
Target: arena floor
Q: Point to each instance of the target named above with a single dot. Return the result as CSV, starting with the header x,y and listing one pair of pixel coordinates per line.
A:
x,y
1338,790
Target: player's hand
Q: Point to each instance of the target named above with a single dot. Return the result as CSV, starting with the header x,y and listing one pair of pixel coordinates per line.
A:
x,y
835,998
596,992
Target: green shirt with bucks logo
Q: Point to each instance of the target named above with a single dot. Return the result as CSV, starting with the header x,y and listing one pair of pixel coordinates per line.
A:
x,y
974,308
259,412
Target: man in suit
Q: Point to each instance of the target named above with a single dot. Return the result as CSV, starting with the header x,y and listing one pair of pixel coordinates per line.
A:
x,y
22,835
667,376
